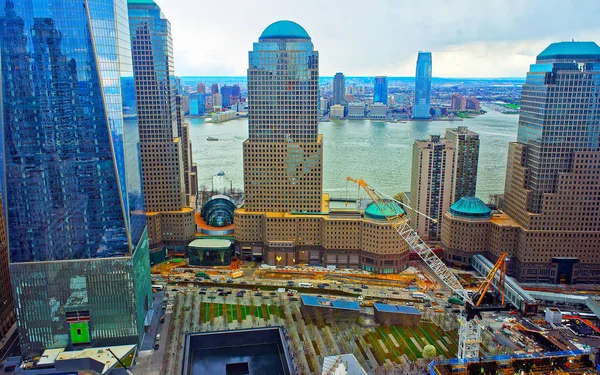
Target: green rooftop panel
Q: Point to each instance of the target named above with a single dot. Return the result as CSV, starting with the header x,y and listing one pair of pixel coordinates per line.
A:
x,y
284,30
568,50
391,209
470,207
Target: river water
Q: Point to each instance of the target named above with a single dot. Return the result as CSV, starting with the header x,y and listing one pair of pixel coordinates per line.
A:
x,y
376,151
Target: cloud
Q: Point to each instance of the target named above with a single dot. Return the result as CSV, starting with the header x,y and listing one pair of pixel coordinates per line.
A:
x,y
495,38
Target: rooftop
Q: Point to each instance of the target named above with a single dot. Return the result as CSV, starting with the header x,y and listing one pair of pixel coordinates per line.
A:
x,y
470,207
396,309
332,303
391,209
351,366
568,50
210,243
284,30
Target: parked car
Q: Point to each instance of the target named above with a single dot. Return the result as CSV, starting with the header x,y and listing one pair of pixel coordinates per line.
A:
x,y
221,294
239,294
364,287
156,347
257,294
456,311
358,290
394,292
158,337
294,299
229,281
291,283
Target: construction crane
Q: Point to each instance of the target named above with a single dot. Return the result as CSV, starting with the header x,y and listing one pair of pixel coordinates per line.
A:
x,y
469,331
483,288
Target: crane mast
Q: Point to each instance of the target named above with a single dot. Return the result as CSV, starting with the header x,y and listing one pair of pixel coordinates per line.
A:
x,y
469,330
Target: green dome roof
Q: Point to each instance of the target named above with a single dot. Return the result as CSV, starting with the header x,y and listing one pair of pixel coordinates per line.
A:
x,y
570,50
470,207
391,209
284,30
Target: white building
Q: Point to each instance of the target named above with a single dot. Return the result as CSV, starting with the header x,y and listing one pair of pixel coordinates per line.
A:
x,y
336,111
356,110
378,110
344,364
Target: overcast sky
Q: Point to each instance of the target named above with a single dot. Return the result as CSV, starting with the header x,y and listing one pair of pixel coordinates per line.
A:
x,y
468,38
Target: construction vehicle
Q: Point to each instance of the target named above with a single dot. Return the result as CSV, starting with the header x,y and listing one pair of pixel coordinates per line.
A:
x,y
470,326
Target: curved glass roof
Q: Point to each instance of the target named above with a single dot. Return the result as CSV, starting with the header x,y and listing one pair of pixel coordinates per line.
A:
x,y
470,207
568,50
391,209
218,211
284,30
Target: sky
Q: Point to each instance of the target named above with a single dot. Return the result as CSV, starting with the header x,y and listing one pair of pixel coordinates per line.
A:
x,y
467,38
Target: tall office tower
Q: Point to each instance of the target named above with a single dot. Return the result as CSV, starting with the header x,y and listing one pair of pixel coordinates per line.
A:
x,y
458,102
466,160
214,88
380,90
186,150
226,92
431,184
217,100
472,104
423,86
284,152
7,308
339,88
236,92
170,220
75,219
197,104
201,88
553,169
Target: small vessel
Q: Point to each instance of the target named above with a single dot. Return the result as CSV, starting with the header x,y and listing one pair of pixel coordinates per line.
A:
x,y
212,139
393,121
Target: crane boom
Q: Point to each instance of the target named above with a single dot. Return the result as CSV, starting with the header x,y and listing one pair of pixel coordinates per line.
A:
x,y
469,330
400,225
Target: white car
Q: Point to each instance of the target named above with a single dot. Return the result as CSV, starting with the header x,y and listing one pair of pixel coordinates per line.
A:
x,y
158,337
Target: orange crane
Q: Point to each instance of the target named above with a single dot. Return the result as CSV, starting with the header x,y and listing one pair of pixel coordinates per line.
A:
x,y
483,288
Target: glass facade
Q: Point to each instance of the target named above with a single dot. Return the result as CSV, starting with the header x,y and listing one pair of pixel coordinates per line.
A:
x,y
423,86
197,104
70,166
226,94
380,90
559,116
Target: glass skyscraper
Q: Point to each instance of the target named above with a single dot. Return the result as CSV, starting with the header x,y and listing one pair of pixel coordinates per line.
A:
x,y
226,93
423,86
380,90
74,205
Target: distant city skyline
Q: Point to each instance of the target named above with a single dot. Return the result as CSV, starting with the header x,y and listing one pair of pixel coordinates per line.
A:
x,y
467,38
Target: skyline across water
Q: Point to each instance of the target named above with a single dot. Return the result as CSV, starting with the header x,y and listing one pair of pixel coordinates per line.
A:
x,y
376,151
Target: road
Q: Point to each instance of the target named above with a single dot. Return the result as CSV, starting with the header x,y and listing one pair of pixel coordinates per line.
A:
x,y
10,349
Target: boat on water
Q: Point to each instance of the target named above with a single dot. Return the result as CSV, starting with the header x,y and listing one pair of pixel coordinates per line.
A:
x,y
212,139
393,121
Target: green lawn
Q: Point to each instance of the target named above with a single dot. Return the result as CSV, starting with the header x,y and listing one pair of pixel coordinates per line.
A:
x,y
512,106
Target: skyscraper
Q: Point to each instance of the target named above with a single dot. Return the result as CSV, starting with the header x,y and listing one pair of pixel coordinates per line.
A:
x,y
380,90
550,225
226,93
339,88
73,196
286,219
214,88
283,154
163,150
7,308
201,88
197,104
431,184
423,86
466,161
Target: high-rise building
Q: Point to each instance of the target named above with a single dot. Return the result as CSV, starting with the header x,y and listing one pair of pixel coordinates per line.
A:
x,y
431,184
197,104
466,161
217,100
214,88
550,225
75,218
7,308
236,92
226,93
201,88
472,104
186,155
423,86
339,88
286,219
458,102
380,90
162,147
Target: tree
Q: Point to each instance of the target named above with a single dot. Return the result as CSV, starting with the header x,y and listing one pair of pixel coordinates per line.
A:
x,y
429,351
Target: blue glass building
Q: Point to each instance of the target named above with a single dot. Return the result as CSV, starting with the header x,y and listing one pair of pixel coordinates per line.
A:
x,y
70,170
423,86
380,90
226,93
197,103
